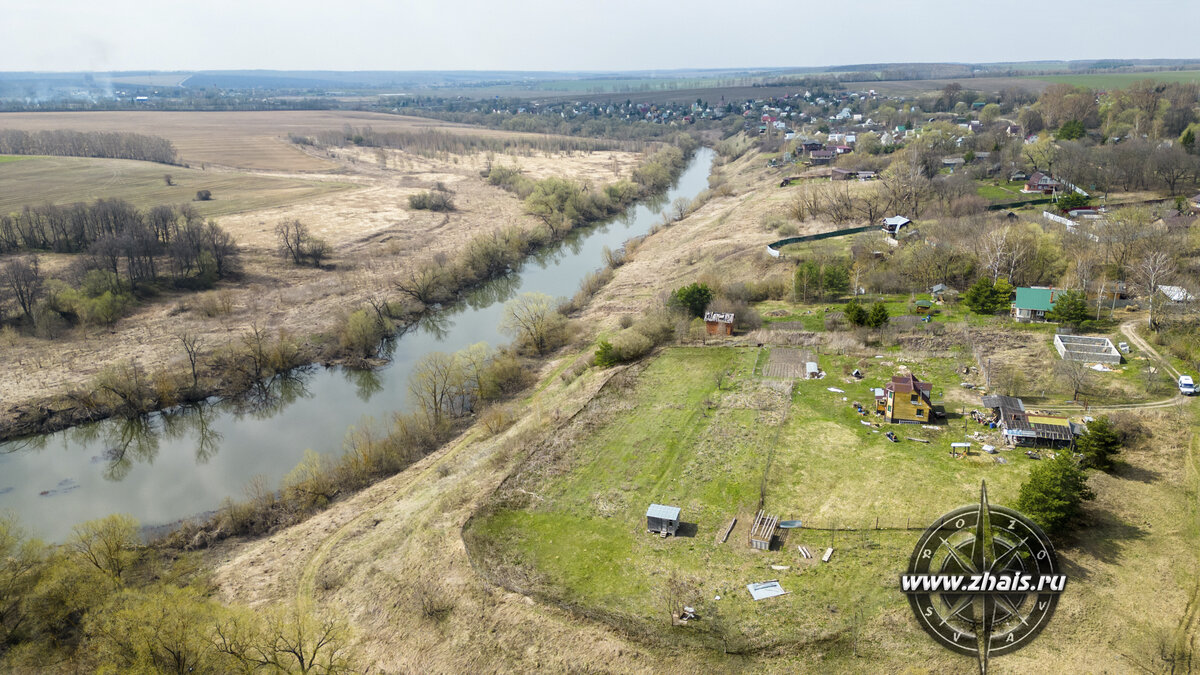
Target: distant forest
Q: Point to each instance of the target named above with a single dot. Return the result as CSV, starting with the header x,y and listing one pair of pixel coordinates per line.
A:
x,y
107,144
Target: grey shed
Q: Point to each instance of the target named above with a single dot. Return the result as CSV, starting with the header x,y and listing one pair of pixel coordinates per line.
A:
x,y
662,519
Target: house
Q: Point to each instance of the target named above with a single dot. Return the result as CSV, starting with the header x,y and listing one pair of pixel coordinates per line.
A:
x,y
718,323
922,306
938,291
810,146
906,400
866,175
1177,294
1024,428
841,174
1040,182
952,163
1031,304
893,225
1013,130
1017,175
822,156
662,520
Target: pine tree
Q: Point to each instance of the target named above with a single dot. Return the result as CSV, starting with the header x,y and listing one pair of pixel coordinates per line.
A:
x,y
1070,308
1053,495
855,314
878,315
1099,443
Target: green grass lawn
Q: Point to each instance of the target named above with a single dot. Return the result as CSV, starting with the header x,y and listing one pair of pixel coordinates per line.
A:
x,y
13,158
678,439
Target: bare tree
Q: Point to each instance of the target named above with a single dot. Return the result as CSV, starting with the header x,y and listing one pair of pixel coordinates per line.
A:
x,y
532,319
1074,373
23,277
432,384
292,235
1156,268
191,346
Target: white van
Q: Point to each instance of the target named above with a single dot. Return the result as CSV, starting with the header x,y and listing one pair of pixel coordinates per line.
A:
x,y
1186,386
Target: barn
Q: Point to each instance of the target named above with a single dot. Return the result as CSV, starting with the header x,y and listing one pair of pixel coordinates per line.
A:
x,y
663,520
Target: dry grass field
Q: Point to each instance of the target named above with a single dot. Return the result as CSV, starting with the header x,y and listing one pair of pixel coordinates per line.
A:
x,y
347,198
244,140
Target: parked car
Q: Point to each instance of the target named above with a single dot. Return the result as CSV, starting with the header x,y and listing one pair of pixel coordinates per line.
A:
x,y
1187,387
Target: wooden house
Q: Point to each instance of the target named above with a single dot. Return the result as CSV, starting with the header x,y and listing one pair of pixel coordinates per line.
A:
x,y
841,174
906,400
718,323
1032,304
922,306
820,157
1040,182
662,520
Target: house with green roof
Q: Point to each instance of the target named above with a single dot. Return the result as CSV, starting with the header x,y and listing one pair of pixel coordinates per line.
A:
x,y
1032,304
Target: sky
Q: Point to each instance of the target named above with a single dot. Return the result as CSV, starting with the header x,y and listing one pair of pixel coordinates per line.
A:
x,y
103,35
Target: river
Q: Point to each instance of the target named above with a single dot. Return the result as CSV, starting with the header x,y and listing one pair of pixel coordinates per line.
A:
x,y
178,463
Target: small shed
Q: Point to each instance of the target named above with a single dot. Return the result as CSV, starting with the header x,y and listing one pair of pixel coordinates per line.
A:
x,y
663,520
811,370
718,323
893,225
923,306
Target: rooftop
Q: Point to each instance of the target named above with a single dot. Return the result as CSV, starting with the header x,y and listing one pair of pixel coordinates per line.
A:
x,y
663,512
1041,299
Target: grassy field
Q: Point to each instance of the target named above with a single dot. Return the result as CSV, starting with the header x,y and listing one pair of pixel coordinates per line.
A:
x,y
681,440
1122,80
64,180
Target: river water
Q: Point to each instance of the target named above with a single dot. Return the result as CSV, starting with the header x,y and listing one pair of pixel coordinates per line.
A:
x,y
185,461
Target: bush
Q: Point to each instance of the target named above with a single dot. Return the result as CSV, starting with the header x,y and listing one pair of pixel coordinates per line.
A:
x,y
431,201
361,333
693,298
203,195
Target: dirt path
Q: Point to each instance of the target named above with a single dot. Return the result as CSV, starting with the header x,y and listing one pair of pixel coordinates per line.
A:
x,y
1129,330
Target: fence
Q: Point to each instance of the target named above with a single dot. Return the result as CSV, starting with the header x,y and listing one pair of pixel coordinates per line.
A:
x,y
773,247
1014,205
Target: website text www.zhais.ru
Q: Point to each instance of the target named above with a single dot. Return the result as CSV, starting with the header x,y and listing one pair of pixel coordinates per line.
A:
x,y
1014,582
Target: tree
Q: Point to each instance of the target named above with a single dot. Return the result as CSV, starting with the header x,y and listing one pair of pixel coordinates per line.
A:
x,y
287,640
1071,130
856,314
1071,200
23,277
693,298
1070,307
1099,443
533,320
1188,140
1171,164
878,316
1031,121
836,280
22,562
295,243
1074,373
191,346
1155,269
989,114
109,544
203,195
1054,493
161,629
431,384
987,297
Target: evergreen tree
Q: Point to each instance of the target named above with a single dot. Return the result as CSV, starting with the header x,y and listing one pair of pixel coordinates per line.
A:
x,y
855,314
878,316
1053,495
1071,130
837,280
692,298
1099,443
1188,140
1070,308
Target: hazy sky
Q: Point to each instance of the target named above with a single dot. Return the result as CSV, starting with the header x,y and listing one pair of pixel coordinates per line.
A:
x,y
56,35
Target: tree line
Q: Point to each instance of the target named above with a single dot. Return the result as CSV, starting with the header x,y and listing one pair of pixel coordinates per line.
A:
x,y
69,143
431,142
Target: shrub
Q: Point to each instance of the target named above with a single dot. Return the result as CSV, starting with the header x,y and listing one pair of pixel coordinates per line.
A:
x,y
693,298
361,333
431,201
203,195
